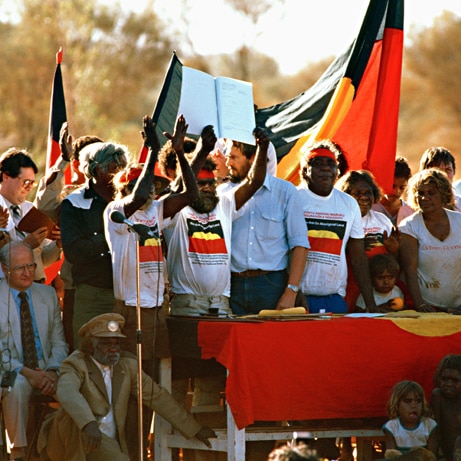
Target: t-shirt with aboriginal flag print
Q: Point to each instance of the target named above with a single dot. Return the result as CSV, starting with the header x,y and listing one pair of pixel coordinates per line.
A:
x,y
122,244
199,246
330,222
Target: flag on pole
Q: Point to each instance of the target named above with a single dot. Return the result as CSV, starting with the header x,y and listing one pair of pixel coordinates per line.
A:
x,y
355,102
58,116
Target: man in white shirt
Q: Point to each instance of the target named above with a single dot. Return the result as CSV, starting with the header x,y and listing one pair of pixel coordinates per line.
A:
x,y
17,179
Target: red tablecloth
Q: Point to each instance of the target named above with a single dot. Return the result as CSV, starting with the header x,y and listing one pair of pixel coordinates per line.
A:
x,y
322,369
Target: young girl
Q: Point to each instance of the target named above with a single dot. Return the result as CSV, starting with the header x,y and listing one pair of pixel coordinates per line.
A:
x,y
410,425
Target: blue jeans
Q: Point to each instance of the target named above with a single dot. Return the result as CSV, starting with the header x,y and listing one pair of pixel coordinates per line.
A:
x,y
331,303
249,295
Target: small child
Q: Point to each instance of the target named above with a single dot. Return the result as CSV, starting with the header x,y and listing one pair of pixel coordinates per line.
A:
x,y
410,425
446,405
384,271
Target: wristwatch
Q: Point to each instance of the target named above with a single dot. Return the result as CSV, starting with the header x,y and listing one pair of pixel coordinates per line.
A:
x,y
294,288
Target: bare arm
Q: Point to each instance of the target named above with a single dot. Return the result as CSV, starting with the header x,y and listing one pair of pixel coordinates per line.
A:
x,y
205,145
298,261
145,184
175,202
408,250
434,441
257,173
389,441
359,263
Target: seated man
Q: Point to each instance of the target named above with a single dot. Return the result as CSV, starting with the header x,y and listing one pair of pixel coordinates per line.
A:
x,y
94,388
31,330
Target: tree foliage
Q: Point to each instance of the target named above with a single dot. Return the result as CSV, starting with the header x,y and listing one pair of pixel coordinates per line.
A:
x,y
431,97
113,66
115,61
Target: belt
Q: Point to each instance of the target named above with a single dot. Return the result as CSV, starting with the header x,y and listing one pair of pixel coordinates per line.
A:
x,y
250,273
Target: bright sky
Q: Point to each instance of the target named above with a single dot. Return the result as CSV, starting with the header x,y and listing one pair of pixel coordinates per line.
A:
x,y
294,34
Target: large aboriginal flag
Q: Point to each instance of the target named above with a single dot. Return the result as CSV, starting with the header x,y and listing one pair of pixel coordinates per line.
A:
x,y
58,116
355,102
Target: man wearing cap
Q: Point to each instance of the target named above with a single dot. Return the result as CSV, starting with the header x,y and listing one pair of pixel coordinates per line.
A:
x,y
94,387
334,226
31,337
269,241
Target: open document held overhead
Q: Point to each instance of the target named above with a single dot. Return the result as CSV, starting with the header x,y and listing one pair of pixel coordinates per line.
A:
x,y
223,102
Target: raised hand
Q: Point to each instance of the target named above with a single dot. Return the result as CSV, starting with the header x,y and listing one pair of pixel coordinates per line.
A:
x,y
149,133
207,139
177,139
262,139
65,142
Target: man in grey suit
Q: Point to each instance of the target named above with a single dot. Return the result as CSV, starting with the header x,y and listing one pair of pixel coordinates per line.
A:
x,y
20,374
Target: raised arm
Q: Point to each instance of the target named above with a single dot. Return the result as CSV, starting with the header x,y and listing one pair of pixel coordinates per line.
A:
x,y
145,184
257,173
205,145
175,202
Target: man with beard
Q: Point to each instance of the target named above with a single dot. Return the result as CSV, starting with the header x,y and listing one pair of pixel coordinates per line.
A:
x,y
93,390
199,239
198,262
269,239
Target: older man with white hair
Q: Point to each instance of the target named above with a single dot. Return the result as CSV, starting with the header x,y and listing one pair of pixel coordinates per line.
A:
x,y
94,389
32,339
82,231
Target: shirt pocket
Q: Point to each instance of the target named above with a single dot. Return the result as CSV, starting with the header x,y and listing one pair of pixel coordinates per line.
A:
x,y
272,225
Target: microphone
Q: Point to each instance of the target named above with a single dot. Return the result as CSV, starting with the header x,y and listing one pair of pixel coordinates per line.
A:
x,y
140,229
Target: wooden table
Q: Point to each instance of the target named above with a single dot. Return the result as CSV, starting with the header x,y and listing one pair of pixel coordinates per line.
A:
x,y
339,368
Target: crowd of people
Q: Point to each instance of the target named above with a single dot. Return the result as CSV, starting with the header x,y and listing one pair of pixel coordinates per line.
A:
x,y
200,226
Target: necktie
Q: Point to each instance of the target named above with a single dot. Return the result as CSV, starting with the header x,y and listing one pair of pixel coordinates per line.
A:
x,y
16,213
27,333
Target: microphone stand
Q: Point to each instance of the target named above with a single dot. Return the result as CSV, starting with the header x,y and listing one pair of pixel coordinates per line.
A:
x,y
139,230
139,353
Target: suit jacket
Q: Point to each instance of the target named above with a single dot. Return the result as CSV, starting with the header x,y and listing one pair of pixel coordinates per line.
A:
x,y
83,398
45,254
49,325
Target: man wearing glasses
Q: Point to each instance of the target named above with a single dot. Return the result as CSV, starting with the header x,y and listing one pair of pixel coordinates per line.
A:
x,y
17,179
31,338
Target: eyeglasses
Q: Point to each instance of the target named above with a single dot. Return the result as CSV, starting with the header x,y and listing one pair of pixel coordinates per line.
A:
x,y
27,183
20,269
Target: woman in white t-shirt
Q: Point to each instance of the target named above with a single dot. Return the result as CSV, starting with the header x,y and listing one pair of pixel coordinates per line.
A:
x,y
430,247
